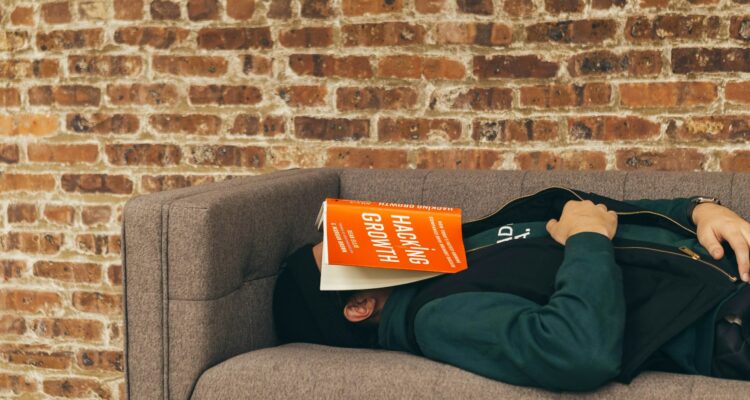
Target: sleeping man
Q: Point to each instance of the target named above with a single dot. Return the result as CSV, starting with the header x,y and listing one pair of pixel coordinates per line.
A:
x,y
580,299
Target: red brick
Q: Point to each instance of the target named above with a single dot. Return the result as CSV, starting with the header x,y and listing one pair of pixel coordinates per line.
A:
x,y
390,129
9,97
227,156
201,10
59,360
459,158
59,214
28,182
605,4
581,31
13,40
96,302
307,37
502,66
224,94
22,16
484,99
142,94
687,60
603,62
33,242
114,275
63,153
563,6
442,68
158,37
316,8
164,10
19,69
96,183
559,95
670,26
323,65
521,130
480,7
240,9
76,387
102,123
247,124
400,66
11,325
612,128
331,128
375,98
128,9
192,124
93,10
28,124
673,159
190,65
303,96
739,28
9,153
235,38
17,384
482,34
65,95
101,360
430,6
95,215
519,8
738,92
382,34
717,128
68,271
257,65
279,9
355,157
151,183
735,161
56,13
69,39
70,329
31,301
667,94
143,154
12,269
22,212
571,160
362,7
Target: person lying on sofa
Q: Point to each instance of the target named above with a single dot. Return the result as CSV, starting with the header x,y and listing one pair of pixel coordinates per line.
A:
x,y
572,341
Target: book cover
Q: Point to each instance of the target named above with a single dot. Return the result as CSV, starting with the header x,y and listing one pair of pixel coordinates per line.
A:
x,y
368,244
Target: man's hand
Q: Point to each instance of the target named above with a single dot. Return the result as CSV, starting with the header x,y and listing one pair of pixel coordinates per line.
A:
x,y
716,223
582,216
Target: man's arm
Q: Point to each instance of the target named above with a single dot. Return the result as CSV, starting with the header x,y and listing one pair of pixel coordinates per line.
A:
x,y
574,342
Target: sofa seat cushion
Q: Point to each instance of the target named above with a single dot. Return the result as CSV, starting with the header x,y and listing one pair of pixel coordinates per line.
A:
x,y
308,371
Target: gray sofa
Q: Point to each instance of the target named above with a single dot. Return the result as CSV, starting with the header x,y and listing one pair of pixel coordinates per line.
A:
x,y
200,265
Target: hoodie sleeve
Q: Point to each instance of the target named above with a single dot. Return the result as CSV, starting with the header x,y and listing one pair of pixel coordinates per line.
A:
x,y
677,208
574,342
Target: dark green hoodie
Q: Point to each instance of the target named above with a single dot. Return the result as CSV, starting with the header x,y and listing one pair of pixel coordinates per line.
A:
x,y
515,340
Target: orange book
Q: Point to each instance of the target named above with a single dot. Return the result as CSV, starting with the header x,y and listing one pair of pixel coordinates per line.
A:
x,y
370,244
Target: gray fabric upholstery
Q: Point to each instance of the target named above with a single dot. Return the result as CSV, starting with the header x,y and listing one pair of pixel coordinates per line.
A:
x,y
200,265
308,371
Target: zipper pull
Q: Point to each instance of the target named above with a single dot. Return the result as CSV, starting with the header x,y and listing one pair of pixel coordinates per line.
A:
x,y
691,253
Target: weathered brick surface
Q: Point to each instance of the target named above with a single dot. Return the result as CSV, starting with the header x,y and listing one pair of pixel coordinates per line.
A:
x,y
103,100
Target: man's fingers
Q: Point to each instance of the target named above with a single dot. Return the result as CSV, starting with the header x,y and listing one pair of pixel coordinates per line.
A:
x,y
550,224
740,246
708,240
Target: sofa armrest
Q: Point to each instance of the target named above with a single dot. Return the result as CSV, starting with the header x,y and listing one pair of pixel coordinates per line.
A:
x,y
200,264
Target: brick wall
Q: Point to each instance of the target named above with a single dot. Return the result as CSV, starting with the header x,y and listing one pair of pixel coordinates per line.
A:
x,y
101,100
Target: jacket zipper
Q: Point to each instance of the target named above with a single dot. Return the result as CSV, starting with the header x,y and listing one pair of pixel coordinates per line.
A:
x,y
690,253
